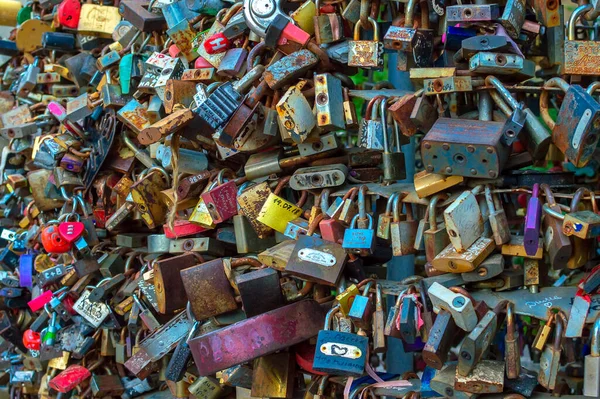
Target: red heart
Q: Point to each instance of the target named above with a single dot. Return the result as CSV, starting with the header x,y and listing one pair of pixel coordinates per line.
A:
x,y
71,231
53,242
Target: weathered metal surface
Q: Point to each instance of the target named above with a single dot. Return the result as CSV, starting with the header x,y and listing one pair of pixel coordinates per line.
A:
x,y
463,147
472,13
289,68
449,84
257,336
208,289
486,377
582,57
170,292
167,125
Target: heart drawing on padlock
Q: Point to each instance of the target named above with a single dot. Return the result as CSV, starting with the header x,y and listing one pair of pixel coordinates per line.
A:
x,y
71,231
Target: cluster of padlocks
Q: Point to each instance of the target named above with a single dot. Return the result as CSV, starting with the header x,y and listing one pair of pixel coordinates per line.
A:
x,y
214,199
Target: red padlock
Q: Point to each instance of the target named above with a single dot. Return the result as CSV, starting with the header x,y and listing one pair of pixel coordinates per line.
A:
x,y
69,378
32,340
53,242
69,12
71,231
217,43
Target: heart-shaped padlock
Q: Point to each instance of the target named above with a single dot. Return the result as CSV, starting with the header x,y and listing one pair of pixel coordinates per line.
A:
x,y
53,242
71,231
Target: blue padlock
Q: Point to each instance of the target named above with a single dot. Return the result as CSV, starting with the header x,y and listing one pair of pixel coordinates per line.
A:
x,y
340,353
359,241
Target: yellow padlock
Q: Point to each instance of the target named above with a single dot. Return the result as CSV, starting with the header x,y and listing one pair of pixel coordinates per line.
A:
x,y
29,34
8,12
277,212
98,20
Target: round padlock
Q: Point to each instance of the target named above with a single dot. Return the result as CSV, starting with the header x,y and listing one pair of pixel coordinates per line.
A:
x,y
53,242
29,35
69,12
32,340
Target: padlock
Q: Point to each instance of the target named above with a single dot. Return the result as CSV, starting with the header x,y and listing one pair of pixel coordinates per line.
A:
x,y
365,53
550,358
497,218
591,378
315,259
359,241
339,353
403,232
577,127
393,162
371,133
556,243
329,28
512,351
460,306
436,237
579,55
464,221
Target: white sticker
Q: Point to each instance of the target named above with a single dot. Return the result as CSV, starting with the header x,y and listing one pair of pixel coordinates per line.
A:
x,y
318,257
341,350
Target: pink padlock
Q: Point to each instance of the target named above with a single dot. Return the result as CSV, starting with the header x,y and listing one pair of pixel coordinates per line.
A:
x,y
174,51
202,63
38,302
293,33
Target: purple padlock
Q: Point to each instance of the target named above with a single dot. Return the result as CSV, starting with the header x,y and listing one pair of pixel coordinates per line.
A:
x,y
417,346
26,270
531,232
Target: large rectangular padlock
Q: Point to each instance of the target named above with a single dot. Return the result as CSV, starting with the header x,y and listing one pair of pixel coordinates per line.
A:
x,y
317,260
340,353
462,147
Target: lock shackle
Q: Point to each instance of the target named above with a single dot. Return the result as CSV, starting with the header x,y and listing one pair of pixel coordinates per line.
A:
x,y
502,105
366,283
502,91
595,338
146,173
378,297
397,209
550,200
554,82
329,316
359,25
324,202
577,198
575,15
371,111
390,203
593,87
551,212
594,203
367,287
221,175
312,227
246,260
510,321
558,333
432,211
350,194
489,199
362,208
282,183
355,218
384,117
